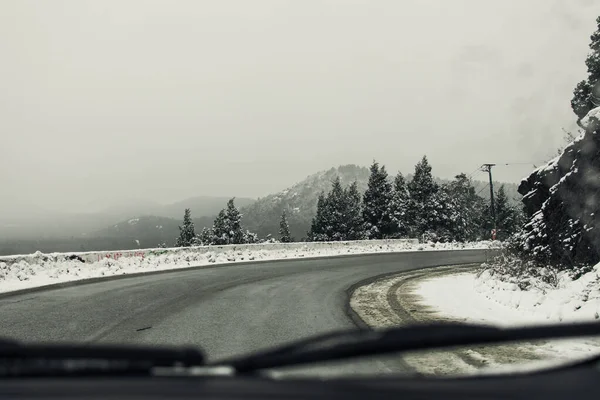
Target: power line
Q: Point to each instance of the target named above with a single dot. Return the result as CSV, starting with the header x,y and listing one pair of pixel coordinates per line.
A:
x,y
478,169
482,189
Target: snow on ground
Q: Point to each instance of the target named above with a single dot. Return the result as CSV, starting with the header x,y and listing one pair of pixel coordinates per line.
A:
x,y
485,299
21,272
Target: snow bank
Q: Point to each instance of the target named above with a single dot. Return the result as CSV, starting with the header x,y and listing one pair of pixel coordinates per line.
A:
x,y
567,300
483,298
32,270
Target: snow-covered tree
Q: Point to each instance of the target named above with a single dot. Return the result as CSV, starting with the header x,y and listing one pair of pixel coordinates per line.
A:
x,y
338,215
424,205
207,236
235,234
466,208
422,185
227,229
250,237
319,222
355,223
335,205
284,229
399,206
186,231
220,231
508,218
581,102
376,204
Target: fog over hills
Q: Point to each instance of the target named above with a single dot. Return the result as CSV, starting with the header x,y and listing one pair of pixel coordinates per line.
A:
x,y
138,223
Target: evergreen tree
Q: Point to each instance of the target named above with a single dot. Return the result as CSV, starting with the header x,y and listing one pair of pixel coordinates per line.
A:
x,y
284,229
467,209
207,236
508,218
355,223
220,229
235,234
335,206
376,204
438,217
186,231
425,203
317,228
581,102
422,186
399,206
339,215
250,237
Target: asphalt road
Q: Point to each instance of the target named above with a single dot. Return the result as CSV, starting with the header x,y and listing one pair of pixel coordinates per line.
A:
x,y
226,310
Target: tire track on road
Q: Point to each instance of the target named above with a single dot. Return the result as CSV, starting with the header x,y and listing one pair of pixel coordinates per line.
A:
x,y
391,301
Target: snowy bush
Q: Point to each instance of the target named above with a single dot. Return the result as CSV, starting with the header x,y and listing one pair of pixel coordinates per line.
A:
x,y
526,274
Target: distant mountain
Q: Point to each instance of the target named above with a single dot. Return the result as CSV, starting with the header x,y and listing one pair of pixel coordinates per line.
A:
x,y
300,200
148,231
152,230
131,207
133,233
150,223
52,225
201,206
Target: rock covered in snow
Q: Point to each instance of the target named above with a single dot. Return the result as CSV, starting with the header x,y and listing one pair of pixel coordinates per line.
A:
x,y
562,201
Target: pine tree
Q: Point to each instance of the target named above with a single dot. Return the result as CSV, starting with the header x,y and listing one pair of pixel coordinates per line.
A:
x,y
355,223
399,206
317,227
508,218
581,102
425,202
220,229
442,213
335,206
466,208
186,231
207,236
250,237
376,204
422,186
233,220
284,229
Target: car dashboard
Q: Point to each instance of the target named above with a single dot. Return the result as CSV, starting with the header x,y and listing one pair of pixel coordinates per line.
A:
x,y
576,382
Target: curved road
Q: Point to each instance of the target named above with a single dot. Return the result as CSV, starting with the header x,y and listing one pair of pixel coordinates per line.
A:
x,y
226,310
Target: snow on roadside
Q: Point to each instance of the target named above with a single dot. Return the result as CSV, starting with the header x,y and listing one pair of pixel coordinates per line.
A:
x,y
21,272
485,299
569,300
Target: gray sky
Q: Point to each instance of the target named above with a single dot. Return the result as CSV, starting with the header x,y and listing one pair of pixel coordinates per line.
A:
x,y
105,100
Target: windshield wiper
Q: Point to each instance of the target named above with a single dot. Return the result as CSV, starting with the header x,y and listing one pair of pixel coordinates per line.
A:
x,y
361,343
57,359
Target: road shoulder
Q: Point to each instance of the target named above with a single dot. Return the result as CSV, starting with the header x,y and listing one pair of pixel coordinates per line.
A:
x,y
395,301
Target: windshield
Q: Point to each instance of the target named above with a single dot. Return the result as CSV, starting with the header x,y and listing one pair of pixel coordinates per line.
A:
x,y
235,175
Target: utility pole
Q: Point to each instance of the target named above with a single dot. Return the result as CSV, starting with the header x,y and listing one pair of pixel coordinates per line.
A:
x,y
488,168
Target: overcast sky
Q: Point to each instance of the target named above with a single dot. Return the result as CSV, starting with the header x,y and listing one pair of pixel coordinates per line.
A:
x,y
106,100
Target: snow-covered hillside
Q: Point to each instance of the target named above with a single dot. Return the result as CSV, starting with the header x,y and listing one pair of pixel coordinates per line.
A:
x,y
299,201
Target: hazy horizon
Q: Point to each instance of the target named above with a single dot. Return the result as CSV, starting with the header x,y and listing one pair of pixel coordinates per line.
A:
x,y
104,101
